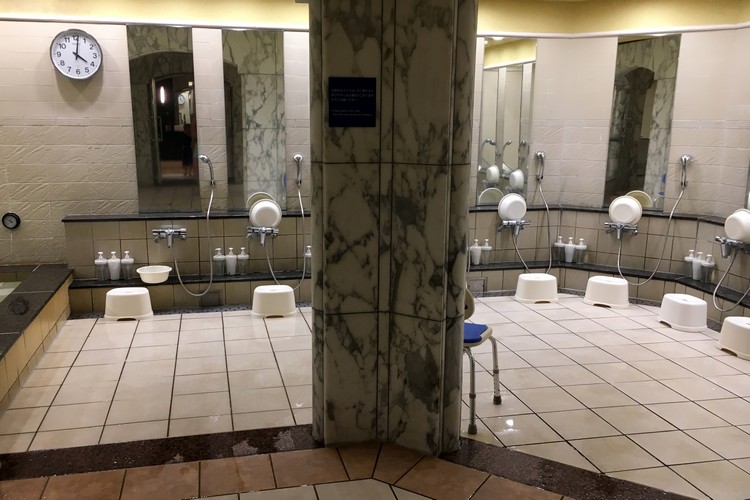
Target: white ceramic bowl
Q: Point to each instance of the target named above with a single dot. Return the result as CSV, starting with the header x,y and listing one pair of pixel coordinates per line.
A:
x,y
643,198
512,207
515,179
265,213
737,225
493,174
490,196
625,210
154,274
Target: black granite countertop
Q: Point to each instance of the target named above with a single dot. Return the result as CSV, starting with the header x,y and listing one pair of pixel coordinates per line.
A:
x,y
26,301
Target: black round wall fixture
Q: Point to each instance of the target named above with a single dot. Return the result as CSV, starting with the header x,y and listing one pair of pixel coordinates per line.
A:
x,y
11,220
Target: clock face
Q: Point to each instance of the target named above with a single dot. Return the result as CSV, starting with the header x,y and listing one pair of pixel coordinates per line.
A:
x,y
76,54
11,220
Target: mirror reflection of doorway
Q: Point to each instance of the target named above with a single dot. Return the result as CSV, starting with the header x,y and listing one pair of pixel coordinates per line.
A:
x,y
174,111
163,99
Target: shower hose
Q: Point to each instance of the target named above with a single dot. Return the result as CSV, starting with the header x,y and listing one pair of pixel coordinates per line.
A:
x,y
726,273
210,267
304,260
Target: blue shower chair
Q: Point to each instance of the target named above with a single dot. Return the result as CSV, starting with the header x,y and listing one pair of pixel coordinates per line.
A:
x,y
474,335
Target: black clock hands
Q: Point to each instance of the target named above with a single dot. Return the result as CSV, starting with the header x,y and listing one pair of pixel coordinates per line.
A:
x,y
75,53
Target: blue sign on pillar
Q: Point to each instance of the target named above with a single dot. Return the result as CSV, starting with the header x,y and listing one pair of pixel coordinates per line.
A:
x,y
351,101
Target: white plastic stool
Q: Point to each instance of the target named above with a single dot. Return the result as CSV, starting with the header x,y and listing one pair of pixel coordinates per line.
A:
x,y
536,287
735,336
683,312
273,300
132,302
606,291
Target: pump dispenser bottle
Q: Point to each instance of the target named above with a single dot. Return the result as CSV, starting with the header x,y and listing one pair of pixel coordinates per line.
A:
x,y
475,252
127,266
707,269
697,261
689,263
243,260
114,267
580,252
231,261
219,260
485,251
570,250
558,250
102,270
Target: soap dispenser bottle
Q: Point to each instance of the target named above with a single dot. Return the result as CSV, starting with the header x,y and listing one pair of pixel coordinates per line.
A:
x,y
580,252
570,250
127,266
475,251
114,267
243,260
689,263
218,263
231,262
102,270
558,250
697,261
707,269
485,251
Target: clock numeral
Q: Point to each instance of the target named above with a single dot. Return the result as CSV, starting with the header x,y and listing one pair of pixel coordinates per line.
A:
x,y
67,39
69,68
94,55
93,65
61,63
91,46
58,53
86,69
78,71
61,45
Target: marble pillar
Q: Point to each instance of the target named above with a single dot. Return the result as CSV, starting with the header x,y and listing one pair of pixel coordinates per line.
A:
x,y
389,209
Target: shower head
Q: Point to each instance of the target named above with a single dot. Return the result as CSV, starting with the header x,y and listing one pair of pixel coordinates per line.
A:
x,y
298,160
540,156
508,142
205,159
685,160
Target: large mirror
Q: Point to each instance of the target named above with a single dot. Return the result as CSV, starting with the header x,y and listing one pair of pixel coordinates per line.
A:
x,y
505,118
255,117
163,99
641,119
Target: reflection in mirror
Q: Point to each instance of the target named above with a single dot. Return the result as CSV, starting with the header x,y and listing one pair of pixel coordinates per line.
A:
x,y
255,123
747,192
641,119
161,86
505,118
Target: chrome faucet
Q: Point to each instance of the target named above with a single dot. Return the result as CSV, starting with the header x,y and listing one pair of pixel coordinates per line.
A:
x,y
169,233
515,225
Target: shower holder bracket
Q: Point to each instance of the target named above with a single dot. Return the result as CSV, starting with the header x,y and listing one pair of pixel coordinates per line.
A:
x,y
620,228
169,233
262,232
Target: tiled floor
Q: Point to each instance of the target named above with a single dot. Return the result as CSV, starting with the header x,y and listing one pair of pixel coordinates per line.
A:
x,y
368,471
610,391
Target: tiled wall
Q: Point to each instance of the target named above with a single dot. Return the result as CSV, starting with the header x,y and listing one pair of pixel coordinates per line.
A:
x,y
297,103
85,238
18,362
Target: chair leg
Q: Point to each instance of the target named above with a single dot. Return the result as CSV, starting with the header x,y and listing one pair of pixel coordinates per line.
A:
x,y
497,399
472,394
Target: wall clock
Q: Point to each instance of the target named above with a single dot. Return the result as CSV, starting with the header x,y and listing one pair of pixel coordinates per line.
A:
x,y
76,54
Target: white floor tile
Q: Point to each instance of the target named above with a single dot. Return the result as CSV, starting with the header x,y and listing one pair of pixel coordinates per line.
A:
x,y
674,447
578,424
199,336
248,346
262,419
543,327
706,367
15,443
524,378
302,416
295,367
663,478
200,350
102,357
254,379
45,377
617,372
158,326
56,360
687,415
66,438
201,383
697,388
268,399
615,453
634,419
485,406
154,339
21,420
570,375
729,442
599,395
208,364
649,392
545,399
524,343
602,339
200,425
200,405
632,353
250,361
300,396
544,357
91,392
589,355
736,411
737,384
521,429
152,353
75,416
135,410
157,368
120,433
31,397
717,479
662,369
205,323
